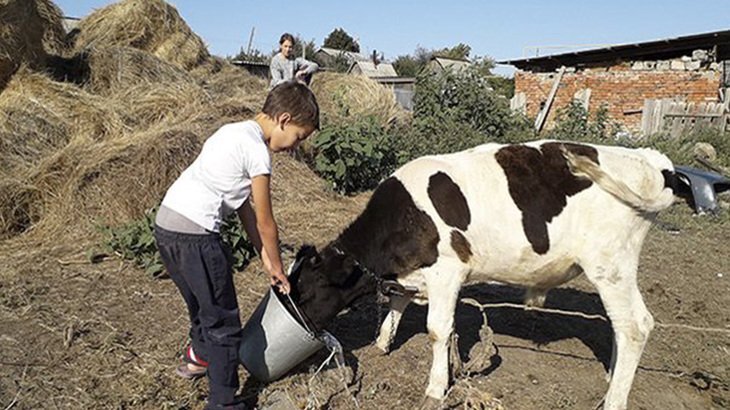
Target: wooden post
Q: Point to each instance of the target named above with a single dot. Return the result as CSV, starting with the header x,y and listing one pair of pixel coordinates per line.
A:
x,y
542,116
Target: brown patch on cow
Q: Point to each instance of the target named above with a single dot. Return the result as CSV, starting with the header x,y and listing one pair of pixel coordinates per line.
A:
x,y
461,246
392,236
540,183
449,201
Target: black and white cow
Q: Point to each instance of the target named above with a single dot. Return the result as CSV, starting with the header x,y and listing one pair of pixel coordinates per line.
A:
x,y
534,215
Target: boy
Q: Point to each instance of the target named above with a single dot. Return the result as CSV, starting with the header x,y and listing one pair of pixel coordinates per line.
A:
x,y
233,165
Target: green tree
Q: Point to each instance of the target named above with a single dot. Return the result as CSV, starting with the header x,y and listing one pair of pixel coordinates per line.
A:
x,y
411,65
304,48
458,52
254,55
340,40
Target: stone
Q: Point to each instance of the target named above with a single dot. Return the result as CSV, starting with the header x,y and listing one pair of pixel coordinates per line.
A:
x,y
677,65
700,55
692,65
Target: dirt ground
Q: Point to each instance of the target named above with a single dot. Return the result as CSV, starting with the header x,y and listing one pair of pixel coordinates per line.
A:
x,y
75,335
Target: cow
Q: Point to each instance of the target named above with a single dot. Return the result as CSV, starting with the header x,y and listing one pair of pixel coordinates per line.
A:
x,y
534,215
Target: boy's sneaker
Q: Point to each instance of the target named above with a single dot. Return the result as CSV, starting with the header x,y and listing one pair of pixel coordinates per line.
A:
x,y
200,367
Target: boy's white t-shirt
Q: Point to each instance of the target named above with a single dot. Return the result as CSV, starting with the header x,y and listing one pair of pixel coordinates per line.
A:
x,y
219,180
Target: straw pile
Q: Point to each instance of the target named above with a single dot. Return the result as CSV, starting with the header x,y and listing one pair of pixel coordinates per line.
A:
x,y
116,68
29,30
39,116
99,139
343,96
149,25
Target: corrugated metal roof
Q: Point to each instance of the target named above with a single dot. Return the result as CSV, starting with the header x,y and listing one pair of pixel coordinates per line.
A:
x,y
657,49
451,63
373,71
351,56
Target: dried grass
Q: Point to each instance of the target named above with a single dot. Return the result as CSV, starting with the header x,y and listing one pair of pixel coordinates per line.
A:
x,y
114,69
341,97
29,31
38,116
150,25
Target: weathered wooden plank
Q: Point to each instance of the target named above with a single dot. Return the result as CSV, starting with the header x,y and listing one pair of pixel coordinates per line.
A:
x,y
542,116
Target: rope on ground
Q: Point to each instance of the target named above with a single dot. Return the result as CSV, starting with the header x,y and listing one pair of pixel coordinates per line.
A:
x,y
482,306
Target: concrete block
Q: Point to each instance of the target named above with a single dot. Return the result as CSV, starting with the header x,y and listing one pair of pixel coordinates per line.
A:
x,y
700,55
663,65
692,65
686,58
650,65
677,65
637,66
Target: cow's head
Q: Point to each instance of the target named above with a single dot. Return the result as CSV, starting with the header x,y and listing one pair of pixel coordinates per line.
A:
x,y
322,284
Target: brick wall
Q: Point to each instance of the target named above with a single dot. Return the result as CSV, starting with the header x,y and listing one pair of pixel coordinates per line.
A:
x,y
622,88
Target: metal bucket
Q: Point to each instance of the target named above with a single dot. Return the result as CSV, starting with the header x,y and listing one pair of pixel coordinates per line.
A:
x,y
273,341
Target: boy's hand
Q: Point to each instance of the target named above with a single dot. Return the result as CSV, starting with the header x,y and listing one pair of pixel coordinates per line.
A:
x,y
279,280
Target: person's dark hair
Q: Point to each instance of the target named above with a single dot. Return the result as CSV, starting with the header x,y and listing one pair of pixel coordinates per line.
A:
x,y
286,36
296,99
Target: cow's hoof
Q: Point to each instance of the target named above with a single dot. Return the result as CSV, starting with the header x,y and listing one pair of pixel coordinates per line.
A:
x,y
429,403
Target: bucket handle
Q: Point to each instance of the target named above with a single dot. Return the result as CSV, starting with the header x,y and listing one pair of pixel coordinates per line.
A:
x,y
301,317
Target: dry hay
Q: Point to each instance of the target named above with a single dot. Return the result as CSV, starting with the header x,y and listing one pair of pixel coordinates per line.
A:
x,y
160,105
29,30
19,207
39,116
115,69
150,25
108,182
237,93
342,97
306,209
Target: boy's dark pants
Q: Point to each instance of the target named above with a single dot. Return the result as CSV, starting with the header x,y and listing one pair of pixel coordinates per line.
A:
x,y
199,266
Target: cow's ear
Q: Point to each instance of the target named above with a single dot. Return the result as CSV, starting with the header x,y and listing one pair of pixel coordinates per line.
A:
x,y
306,251
315,260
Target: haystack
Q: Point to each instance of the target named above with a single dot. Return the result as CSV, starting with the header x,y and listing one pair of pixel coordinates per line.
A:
x,y
115,69
38,116
342,97
29,31
150,25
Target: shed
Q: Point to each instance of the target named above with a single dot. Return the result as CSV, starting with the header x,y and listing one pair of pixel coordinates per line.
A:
x,y
644,86
372,69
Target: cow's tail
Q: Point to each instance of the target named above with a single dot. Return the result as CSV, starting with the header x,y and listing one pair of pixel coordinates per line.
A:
x,y
582,166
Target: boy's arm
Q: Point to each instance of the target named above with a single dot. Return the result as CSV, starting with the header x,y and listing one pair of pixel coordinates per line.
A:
x,y
268,231
248,220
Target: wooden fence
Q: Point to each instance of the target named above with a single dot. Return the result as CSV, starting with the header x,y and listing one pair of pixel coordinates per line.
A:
x,y
678,117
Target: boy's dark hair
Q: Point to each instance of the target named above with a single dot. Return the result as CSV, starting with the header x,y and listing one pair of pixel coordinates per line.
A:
x,y
286,36
296,99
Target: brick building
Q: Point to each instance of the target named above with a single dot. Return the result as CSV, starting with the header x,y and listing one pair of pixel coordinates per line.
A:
x,y
627,79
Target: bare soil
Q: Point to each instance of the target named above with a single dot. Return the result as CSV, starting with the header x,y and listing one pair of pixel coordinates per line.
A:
x,y
75,335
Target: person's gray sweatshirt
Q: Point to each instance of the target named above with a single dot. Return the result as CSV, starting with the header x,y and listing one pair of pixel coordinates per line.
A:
x,y
284,69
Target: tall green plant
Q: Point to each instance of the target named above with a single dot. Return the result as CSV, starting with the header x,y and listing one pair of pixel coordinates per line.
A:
x,y
355,155
135,241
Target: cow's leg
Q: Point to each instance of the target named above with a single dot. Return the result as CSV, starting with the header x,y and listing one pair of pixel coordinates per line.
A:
x,y
443,291
390,323
631,323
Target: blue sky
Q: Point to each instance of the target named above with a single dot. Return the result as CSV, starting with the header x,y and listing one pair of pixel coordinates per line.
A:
x,y
499,29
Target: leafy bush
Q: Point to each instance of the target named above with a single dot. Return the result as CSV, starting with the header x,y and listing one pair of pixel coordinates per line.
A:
x,y
354,156
453,111
575,123
135,241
